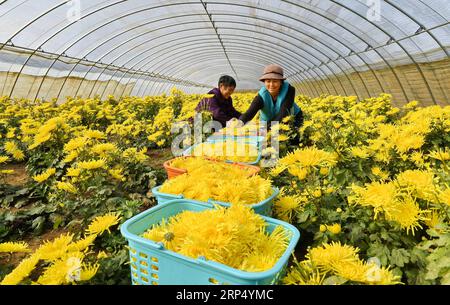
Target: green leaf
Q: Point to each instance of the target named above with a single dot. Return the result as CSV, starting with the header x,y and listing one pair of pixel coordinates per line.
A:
x,y
302,217
38,223
20,203
399,257
334,280
380,251
36,210
23,191
446,278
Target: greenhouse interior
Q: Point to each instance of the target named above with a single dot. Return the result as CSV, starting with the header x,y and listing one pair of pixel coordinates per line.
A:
x,y
239,142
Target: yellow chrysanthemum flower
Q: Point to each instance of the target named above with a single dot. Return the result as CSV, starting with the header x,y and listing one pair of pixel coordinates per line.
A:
x,y
71,156
62,271
12,149
103,223
334,228
421,182
73,172
444,196
309,157
442,155
94,134
22,271
408,214
88,271
75,144
14,247
285,207
82,244
232,236
381,196
92,164
327,255
45,175
117,174
103,149
52,250
3,159
66,186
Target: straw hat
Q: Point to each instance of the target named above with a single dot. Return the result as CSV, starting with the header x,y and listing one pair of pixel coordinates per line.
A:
x,y
272,72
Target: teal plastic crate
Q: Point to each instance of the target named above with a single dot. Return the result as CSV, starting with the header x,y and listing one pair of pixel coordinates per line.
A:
x,y
264,207
257,140
188,152
152,264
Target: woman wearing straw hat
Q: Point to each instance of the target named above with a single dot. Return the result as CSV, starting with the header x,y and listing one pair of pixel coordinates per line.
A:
x,y
275,99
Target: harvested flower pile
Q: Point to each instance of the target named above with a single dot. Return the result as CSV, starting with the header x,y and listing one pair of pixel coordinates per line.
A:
x,y
227,151
198,164
235,237
199,185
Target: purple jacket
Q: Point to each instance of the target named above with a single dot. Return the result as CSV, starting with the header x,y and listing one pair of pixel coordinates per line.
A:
x,y
222,109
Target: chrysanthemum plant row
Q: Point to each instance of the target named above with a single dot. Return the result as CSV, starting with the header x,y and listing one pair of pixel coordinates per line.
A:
x,y
367,185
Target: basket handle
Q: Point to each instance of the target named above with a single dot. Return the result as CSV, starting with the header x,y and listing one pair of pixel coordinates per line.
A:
x,y
211,201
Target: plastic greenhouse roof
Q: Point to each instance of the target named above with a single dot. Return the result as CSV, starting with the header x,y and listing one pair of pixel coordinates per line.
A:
x,y
156,44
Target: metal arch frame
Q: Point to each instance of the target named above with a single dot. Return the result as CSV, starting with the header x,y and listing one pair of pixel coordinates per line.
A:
x,y
67,26
140,35
14,8
109,39
231,41
164,85
279,32
167,34
290,43
383,57
401,46
326,34
421,26
171,54
247,47
435,11
241,36
204,55
224,65
357,36
218,36
346,46
189,63
329,58
350,66
127,70
444,93
158,37
45,13
189,43
159,45
259,58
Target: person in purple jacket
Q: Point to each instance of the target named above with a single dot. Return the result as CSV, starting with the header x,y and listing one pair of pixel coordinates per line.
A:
x,y
221,104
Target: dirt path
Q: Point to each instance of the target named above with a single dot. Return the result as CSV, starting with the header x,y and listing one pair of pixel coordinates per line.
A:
x,y
33,242
19,177
158,156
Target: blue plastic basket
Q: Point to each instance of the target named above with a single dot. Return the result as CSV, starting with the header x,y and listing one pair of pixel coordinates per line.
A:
x,y
152,264
188,152
257,140
264,207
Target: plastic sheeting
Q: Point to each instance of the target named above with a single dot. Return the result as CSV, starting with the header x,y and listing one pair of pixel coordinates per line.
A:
x,y
53,48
